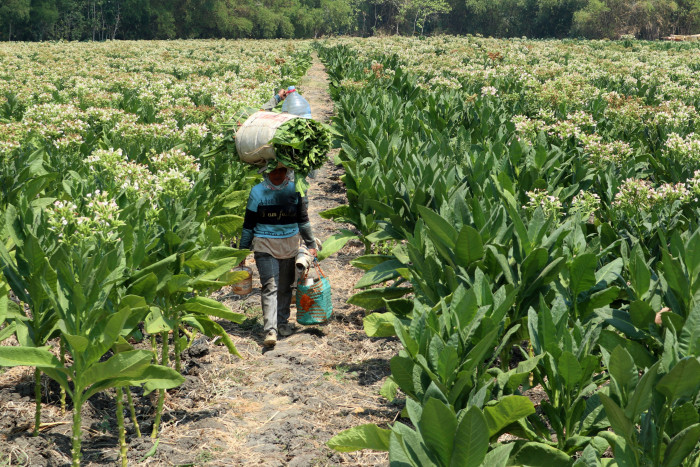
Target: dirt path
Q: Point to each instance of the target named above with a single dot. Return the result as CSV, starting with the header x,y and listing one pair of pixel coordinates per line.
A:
x,y
273,407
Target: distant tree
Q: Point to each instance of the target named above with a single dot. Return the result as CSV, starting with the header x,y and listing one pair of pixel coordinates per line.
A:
x,y
265,23
43,17
500,18
593,21
338,16
645,19
650,19
554,18
423,10
13,12
686,19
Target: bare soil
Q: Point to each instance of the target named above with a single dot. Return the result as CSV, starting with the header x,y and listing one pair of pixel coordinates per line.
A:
x,y
273,407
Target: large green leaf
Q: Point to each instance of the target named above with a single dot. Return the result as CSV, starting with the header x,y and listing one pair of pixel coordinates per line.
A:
x,y
442,229
28,356
582,273
675,277
692,255
689,339
7,331
640,276
335,243
145,286
535,454
618,421
373,299
78,344
683,417
471,440
622,369
437,426
402,373
682,381
681,446
154,377
368,262
570,369
533,265
380,273
508,410
123,365
379,325
610,272
155,322
469,247
228,225
210,307
641,314
589,458
340,214
211,329
108,334
4,302
368,436
641,399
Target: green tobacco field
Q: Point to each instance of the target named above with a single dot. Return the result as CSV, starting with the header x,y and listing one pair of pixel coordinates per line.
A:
x,y
527,213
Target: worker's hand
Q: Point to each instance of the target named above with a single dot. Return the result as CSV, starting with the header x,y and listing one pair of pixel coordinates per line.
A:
x,y
313,252
282,94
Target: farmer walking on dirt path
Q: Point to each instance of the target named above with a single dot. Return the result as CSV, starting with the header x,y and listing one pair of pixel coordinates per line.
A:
x,y
276,217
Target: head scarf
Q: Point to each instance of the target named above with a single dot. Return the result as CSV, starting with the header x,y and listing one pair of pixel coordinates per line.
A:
x,y
271,186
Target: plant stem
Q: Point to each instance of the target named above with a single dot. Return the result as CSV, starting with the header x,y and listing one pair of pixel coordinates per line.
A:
x,y
133,412
120,423
63,390
154,346
37,398
77,431
176,340
161,393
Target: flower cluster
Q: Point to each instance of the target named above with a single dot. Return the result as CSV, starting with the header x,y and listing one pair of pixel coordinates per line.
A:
x,y
173,183
686,149
550,205
601,154
585,204
97,218
173,159
637,195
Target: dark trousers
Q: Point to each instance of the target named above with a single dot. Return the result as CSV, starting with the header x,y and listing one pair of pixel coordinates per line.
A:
x,y
277,278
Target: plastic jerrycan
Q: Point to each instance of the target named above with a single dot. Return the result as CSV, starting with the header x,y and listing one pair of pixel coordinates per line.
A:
x,y
295,103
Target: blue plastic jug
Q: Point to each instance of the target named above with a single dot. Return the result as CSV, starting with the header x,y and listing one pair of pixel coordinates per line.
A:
x,y
295,103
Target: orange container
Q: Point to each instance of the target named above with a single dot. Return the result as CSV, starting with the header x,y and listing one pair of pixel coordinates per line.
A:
x,y
245,286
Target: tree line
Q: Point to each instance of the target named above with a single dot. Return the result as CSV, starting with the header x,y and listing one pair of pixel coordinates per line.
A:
x,y
36,20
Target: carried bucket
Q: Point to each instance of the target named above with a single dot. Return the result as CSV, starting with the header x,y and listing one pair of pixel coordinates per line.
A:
x,y
253,136
245,286
313,298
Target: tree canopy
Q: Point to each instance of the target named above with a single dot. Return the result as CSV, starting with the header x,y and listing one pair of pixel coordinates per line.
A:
x,y
32,20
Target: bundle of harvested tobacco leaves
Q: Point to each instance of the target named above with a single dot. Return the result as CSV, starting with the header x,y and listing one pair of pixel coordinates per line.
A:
x,y
301,144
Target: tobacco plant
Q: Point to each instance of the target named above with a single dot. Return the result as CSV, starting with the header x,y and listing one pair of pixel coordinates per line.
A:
x,y
654,416
580,215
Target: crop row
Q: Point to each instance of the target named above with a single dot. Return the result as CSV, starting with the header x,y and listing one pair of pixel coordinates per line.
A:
x,y
115,216
527,233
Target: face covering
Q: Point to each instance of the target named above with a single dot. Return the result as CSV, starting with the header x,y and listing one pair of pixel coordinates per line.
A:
x,y
278,176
